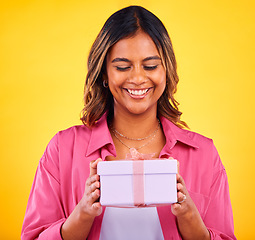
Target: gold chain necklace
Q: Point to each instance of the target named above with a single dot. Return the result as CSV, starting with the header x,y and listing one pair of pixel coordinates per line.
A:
x,y
152,136
136,139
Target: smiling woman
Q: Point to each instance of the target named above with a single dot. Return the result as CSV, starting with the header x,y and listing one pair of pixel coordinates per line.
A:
x,y
129,106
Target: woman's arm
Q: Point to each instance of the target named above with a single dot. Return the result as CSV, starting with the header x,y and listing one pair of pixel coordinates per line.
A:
x,y
189,221
45,215
78,224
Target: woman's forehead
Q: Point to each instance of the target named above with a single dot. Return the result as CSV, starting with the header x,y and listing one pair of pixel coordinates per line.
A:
x,y
140,45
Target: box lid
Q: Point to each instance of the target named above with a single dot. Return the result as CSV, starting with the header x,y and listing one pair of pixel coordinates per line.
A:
x,y
125,167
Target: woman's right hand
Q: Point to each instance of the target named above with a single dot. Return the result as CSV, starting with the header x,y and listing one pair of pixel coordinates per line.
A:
x,y
78,224
89,202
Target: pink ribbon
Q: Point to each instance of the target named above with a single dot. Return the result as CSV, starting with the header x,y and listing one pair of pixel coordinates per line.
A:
x,y
138,175
138,183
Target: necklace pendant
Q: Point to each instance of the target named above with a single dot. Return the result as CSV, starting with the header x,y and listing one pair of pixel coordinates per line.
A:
x,y
135,155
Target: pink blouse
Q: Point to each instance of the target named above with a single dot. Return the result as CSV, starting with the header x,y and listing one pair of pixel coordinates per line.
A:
x,y
64,167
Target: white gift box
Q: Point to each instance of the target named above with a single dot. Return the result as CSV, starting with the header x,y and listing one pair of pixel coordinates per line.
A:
x,y
137,183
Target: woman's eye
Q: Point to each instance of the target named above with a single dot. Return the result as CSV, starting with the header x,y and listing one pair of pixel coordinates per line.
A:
x,y
122,68
150,67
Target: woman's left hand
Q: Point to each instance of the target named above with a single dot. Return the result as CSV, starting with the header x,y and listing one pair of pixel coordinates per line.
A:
x,y
184,204
190,223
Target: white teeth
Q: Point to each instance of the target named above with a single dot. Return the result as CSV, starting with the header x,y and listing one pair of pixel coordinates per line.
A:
x,y
137,92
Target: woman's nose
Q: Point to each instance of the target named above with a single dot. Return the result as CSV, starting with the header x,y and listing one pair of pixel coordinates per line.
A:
x,y
137,76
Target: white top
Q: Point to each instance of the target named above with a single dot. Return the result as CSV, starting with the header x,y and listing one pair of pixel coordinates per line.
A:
x,y
131,224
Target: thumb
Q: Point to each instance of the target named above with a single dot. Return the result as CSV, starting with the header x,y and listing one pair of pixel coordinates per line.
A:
x,y
178,164
93,166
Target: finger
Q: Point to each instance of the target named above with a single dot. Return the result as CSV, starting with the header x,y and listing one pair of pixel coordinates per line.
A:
x,y
180,179
97,207
94,186
93,166
92,179
179,187
178,164
94,196
176,208
181,197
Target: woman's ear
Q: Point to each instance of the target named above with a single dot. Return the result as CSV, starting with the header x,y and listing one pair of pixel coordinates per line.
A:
x,y
105,83
105,80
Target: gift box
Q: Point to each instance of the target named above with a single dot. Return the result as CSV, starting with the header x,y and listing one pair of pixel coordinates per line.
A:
x,y
137,183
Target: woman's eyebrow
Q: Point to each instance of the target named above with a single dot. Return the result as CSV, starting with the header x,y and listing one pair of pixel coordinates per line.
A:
x,y
152,58
144,60
120,60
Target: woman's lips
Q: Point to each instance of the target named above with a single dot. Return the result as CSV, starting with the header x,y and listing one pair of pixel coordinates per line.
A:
x,y
138,93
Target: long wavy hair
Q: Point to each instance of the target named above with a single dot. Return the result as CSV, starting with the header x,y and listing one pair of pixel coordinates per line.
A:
x,y
122,24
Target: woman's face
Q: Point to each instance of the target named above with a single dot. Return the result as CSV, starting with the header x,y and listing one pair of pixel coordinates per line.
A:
x,y
135,75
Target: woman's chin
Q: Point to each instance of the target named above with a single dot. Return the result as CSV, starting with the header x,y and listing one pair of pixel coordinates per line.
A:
x,y
140,110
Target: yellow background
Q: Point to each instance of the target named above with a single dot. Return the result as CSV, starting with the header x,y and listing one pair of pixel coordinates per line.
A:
x,y
44,46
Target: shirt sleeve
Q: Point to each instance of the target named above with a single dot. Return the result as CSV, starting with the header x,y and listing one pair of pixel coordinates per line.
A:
x,y
44,215
219,217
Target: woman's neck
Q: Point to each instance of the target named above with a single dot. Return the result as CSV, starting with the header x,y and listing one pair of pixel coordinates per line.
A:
x,y
135,126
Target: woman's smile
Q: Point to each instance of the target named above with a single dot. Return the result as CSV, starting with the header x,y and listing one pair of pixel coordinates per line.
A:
x,y
138,93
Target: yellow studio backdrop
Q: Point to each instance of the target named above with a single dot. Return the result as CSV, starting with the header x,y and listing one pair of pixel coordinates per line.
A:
x,y
44,46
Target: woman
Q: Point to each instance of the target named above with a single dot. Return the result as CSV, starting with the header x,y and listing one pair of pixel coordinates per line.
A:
x,y
129,103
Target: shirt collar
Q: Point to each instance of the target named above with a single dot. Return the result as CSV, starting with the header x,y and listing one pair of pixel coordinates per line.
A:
x,y
174,134
101,137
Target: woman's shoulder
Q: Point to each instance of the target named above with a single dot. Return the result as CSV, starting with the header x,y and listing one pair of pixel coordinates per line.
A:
x,y
202,142
203,146
186,136
198,137
83,130
74,130
69,136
